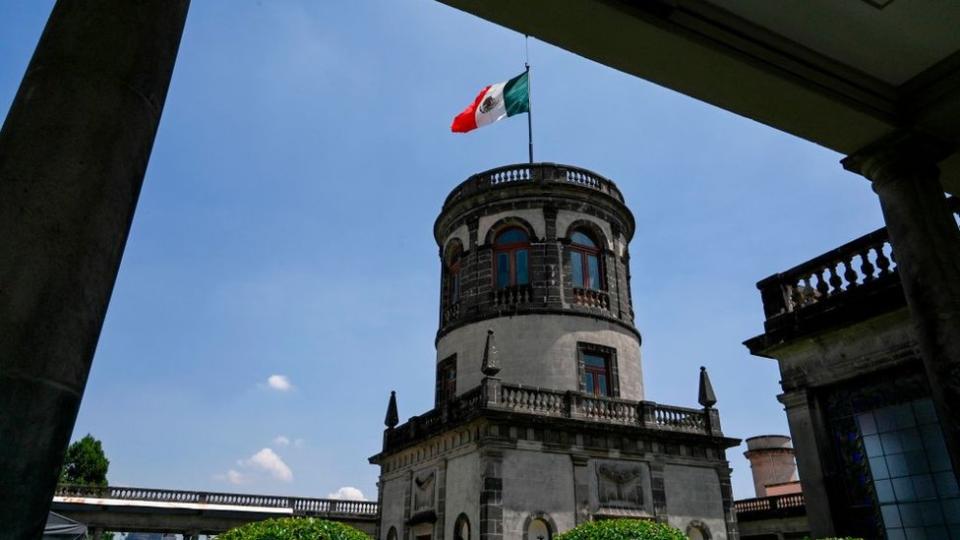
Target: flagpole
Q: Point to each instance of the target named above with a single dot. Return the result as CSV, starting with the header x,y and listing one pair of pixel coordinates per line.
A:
x,y
526,65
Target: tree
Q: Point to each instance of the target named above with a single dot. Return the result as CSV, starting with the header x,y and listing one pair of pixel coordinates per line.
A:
x,y
85,463
294,529
622,529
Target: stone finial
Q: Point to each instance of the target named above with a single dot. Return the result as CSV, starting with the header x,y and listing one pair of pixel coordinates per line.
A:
x,y
490,366
706,398
393,418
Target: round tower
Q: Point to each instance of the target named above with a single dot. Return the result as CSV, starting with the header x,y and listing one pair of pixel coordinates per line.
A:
x,y
772,463
537,254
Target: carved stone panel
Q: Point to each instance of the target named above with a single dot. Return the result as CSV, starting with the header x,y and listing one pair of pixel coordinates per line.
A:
x,y
424,490
620,485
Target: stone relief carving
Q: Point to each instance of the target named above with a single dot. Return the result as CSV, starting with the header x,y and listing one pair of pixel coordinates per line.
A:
x,y
619,485
423,491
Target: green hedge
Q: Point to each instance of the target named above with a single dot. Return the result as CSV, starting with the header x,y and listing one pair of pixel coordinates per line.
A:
x,y
294,529
622,529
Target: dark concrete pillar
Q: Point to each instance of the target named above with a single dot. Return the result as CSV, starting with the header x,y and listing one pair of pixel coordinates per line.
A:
x,y
805,429
73,152
926,247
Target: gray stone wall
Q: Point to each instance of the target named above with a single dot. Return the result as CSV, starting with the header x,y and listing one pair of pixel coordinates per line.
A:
x,y
541,350
693,495
463,493
535,484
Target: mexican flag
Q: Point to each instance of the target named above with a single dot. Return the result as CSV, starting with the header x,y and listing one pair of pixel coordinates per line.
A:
x,y
495,102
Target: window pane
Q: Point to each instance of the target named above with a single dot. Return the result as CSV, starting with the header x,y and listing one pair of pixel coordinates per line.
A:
x,y
603,386
594,272
511,236
588,382
503,270
576,264
595,361
455,287
582,239
522,278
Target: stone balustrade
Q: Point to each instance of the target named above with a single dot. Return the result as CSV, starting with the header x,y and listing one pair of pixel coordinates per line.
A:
x,y
591,298
864,263
532,172
298,505
494,395
511,296
773,506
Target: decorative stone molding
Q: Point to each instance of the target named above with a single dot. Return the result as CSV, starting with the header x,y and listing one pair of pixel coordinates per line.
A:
x,y
620,485
424,491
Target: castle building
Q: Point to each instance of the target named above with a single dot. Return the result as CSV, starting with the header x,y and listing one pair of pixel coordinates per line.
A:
x,y
540,421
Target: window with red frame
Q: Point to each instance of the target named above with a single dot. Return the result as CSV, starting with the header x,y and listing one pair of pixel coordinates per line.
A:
x,y
596,374
511,253
453,274
585,261
446,380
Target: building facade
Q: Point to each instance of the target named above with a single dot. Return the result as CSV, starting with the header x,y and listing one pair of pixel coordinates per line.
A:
x,y
540,421
870,447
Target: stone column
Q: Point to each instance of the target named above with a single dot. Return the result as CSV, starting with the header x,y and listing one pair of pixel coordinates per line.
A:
x,y
581,488
926,246
805,424
73,152
491,495
726,495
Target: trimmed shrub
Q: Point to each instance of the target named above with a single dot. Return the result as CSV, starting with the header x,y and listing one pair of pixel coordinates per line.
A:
x,y
294,529
622,529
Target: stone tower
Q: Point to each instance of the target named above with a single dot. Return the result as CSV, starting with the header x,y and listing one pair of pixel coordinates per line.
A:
x,y
540,421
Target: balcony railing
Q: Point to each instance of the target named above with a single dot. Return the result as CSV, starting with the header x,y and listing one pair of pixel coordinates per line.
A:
x,y
865,263
298,505
533,172
591,298
770,507
493,395
511,296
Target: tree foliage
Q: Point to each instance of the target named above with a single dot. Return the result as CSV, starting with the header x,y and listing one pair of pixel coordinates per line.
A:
x,y
622,529
85,463
294,529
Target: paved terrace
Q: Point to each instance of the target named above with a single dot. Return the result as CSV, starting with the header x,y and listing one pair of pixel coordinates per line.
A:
x,y
191,513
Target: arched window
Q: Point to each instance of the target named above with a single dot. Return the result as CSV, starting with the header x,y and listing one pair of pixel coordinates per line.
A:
x,y
511,253
461,529
453,261
539,530
585,261
392,534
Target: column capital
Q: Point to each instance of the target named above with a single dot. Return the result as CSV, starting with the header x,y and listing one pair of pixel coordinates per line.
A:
x,y
898,155
794,399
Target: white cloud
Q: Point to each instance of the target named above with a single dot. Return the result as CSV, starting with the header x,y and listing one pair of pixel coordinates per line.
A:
x,y
279,382
267,460
235,477
280,440
347,493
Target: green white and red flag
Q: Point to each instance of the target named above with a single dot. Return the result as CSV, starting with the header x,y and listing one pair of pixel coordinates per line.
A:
x,y
495,102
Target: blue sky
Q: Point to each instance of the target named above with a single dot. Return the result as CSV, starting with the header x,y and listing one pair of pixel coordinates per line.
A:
x,y
284,228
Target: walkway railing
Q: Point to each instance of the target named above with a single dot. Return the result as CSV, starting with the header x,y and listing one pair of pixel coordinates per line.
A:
x,y
298,505
861,264
492,394
533,172
765,507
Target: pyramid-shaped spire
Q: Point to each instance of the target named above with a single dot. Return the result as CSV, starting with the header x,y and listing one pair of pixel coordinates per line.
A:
x,y
392,418
706,398
490,366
